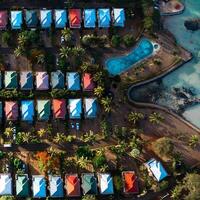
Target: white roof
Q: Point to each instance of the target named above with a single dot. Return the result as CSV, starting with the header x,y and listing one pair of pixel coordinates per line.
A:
x,y
5,184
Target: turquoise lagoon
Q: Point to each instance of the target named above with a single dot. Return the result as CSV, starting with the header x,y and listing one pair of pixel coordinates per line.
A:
x,y
179,90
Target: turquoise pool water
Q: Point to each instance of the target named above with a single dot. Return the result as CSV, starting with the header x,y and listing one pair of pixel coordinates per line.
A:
x,y
117,65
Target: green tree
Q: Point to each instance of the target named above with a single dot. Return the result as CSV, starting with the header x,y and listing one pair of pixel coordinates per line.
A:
x,y
106,102
65,52
89,197
194,140
6,37
99,91
156,118
135,117
67,35
128,40
19,51
115,40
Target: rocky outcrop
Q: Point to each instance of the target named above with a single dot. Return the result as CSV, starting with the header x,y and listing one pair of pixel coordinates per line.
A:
x,y
193,24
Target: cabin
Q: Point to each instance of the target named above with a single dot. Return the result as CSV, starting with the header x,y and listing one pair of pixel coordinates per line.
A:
x,y
72,185
75,108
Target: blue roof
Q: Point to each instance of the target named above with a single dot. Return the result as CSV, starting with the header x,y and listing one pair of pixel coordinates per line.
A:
x,y
31,18
90,105
119,17
157,169
56,186
75,108
45,18
89,18
57,80
104,17
27,110
73,81
16,19
39,186
106,184
60,18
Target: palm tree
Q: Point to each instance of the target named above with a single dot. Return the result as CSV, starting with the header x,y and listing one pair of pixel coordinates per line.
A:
x,y
106,102
67,34
99,91
22,39
156,118
59,138
19,51
98,76
64,52
82,162
40,59
41,132
78,52
8,132
194,140
135,117
85,67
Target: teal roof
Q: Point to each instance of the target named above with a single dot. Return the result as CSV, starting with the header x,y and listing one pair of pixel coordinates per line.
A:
x,y
45,18
39,186
90,105
119,17
75,108
104,17
43,109
89,18
56,186
27,110
57,80
60,18
16,19
10,80
22,185
31,18
26,80
89,184
73,81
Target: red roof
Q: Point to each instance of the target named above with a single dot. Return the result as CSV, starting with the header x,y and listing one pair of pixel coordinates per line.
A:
x,y
11,110
3,19
75,18
130,182
59,108
72,185
88,83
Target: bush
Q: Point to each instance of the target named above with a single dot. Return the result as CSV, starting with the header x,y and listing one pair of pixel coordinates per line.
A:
x,y
128,40
85,152
115,40
6,37
99,161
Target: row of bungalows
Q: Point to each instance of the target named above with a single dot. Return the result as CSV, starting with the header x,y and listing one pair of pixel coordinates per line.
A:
x,y
47,109
26,80
91,18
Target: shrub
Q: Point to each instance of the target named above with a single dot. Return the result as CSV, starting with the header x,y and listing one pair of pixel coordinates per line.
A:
x,y
85,152
115,40
128,40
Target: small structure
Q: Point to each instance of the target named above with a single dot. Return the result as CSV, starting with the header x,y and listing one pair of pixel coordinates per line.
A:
x,y
57,80
59,108
16,19
45,18
42,81
75,18
130,182
22,186
105,184
89,18
3,19
11,110
156,169
0,80
90,107
6,184
31,18
1,110
56,186
72,185
39,186
118,17
88,84
26,80
75,108
89,184
43,110
73,81
104,18
27,110
60,17
10,80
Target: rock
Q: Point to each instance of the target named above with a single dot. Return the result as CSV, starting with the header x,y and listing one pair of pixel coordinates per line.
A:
x,y
192,25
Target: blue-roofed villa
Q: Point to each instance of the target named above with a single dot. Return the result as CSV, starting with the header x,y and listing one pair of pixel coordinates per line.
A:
x,y
26,80
105,184
156,169
60,17
31,18
6,184
56,186
118,17
16,19
27,110
75,108
73,81
104,17
57,80
89,18
10,80
90,107
39,186
45,18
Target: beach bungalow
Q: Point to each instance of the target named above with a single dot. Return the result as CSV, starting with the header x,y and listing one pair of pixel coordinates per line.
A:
x,y
87,81
3,19
26,80
16,19
75,108
43,110
1,110
156,169
10,80
57,80
118,17
56,186
60,18
11,110
73,81
27,110
89,184
22,186
89,18
42,81
104,17
59,108
39,186
90,107
75,18
105,184
72,185
45,18
6,184
31,18
130,182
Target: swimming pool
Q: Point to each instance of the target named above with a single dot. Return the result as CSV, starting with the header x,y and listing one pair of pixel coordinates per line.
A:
x,y
117,65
